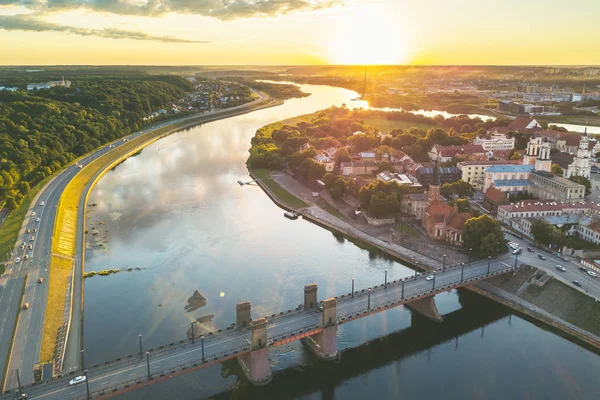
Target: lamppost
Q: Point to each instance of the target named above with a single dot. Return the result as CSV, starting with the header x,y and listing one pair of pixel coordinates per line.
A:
x,y
352,287
489,262
462,271
385,280
87,385
402,295
470,252
433,280
369,301
202,342
148,362
444,264
192,323
141,352
82,361
516,257
19,383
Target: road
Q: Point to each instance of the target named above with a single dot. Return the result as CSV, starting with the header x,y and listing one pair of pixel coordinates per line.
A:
x,y
25,352
589,285
221,345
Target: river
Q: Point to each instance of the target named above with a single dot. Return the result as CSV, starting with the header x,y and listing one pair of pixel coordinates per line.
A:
x,y
175,215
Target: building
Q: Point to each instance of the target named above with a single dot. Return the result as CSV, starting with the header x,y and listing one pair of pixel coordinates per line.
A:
x,y
523,123
547,186
414,204
473,172
423,175
518,108
493,199
538,154
9,88
581,165
444,154
326,161
508,178
495,141
358,167
400,179
589,232
440,220
48,85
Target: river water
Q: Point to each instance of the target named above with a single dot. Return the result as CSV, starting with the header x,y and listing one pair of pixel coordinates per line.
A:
x,y
175,215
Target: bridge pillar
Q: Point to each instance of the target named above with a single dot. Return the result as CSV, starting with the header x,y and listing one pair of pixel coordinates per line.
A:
x,y
243,314
324,343
426,307
256,363
310,296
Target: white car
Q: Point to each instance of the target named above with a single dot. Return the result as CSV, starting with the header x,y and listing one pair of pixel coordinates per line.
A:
x,y
429,278
42,203
592,274
32,238
561,268
77,380
33,213
37,220
17,260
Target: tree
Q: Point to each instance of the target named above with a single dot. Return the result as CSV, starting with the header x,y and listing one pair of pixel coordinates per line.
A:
x,y
514,155
545,233
484,235
341,155
386,166
556,169
463,205
447,190
463,189
582,180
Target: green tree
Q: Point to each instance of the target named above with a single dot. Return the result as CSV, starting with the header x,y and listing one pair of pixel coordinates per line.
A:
x,y
447,190
484,235
386,166
582,180
463,205
341,155
514,155
556,169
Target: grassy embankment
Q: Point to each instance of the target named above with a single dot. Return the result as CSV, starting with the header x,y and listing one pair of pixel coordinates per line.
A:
x,y
10,230
572,119
408,230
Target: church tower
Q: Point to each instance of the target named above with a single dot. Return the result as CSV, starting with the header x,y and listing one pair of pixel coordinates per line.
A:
x,y
543,162
532,151
581,163
434,187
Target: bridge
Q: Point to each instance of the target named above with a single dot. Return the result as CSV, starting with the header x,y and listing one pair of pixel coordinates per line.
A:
x,y
249,340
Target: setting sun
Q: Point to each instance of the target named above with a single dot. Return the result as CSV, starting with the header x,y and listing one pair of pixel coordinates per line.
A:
x,y
368,37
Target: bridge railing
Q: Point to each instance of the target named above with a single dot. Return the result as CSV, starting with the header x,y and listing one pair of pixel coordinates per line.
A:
x,y
438,289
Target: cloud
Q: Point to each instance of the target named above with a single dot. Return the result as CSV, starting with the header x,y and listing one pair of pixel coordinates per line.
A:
x,y
220,9
30,23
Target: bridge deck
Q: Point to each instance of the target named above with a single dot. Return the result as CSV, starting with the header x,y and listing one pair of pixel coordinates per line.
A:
x,y
174,359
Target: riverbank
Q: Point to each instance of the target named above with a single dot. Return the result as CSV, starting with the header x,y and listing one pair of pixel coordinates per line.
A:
x,y
545,311
70,213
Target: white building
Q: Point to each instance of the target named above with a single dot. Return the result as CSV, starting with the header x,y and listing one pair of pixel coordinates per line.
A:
x,y
9,88
400,179
473,172
581,163
495,141
326,161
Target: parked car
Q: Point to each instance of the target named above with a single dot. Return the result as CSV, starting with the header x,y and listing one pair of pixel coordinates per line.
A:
x,y
576,283
592,274
77,380
583,269
565,258
561,268
541,257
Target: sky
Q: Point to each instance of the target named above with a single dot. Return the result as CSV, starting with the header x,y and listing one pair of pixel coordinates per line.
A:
x,y
296,32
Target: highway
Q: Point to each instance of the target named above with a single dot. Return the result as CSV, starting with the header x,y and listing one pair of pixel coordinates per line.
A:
x,y
230,342
25,352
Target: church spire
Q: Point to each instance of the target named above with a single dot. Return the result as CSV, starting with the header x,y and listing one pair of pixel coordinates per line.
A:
x,y
435,180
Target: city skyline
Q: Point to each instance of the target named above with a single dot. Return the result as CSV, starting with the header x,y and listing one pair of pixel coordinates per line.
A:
x,y
297,32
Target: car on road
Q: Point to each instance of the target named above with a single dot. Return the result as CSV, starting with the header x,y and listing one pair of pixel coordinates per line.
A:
x,y
429,278
34,230
513,246
592,274
33,213
25,306
30,247
28,230
561,268
529,249
23,396
31,239
541,257
319,307
42,203
40,280
37,220
518,250
576,283
77,380
25,257
583,269
17,260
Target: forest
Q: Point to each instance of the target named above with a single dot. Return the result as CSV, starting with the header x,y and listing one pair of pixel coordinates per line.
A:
x,y
42,131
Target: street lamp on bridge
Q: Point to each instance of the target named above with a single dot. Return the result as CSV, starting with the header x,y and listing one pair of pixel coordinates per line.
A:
x,y
470,254
141,352
444,264
489,262
462,271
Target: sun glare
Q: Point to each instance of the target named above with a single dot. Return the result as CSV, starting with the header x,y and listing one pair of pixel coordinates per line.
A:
x,y
368,37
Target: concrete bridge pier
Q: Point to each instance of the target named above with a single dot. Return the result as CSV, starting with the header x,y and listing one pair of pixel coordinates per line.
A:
x,y
243,315
426,307
324,343
256,363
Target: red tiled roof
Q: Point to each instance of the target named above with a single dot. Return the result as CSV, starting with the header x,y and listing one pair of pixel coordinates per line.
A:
x,y
495,195
520,122
457,220
451,151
